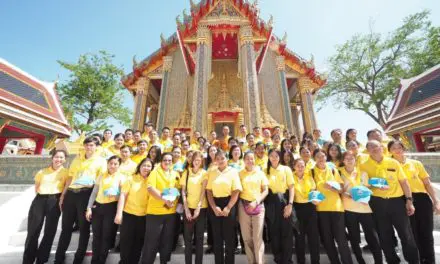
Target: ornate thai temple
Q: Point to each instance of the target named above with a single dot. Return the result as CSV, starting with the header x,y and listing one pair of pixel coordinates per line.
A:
x,y
29,109
415,116
224,65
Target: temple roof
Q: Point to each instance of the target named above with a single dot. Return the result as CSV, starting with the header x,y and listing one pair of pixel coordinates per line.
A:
x,y
224,14
417,102
26,99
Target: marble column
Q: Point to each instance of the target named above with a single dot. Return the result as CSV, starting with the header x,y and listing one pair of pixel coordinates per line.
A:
x,y
281,69
295,120
140,106
248,71
166,68
306,86
201,78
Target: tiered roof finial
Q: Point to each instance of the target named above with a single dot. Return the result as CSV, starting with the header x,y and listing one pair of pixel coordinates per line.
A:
x,y
135,63
284,39
163,41
193,5
270,22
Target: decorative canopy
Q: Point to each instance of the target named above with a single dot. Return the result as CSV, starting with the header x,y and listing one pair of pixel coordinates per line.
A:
x,y
25,99
223,18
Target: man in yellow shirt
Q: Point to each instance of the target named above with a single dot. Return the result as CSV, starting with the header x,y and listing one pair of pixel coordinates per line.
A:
x,y
154,140
376,134
391,205
148,127
83,172
142,152
176,143
257,134
242,135
129,138
165,139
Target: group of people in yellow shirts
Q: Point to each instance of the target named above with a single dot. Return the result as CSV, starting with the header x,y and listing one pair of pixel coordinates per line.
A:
x,y
267,186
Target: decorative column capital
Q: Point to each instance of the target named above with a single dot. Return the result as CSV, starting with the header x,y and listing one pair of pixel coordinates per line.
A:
x,y
167,63
141,85
281,64
246,36
203,35
305,85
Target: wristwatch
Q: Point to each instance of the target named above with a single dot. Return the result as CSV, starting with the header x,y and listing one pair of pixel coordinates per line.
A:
x,y
409,199
291,203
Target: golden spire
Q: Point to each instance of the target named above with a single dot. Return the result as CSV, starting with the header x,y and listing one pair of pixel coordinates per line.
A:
x,y
266,117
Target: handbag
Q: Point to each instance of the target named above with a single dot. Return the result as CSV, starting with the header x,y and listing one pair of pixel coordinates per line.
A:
x,y
252,210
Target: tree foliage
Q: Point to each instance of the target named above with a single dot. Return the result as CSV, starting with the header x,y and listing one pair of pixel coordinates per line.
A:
x,y
92,96
366,70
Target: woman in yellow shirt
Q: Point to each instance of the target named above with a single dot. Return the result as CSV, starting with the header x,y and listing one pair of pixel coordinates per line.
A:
x,y
357,213
155,154
306,155
276,142
223,189
331,210
131,212
260,155
127,167
193,183
251,209
334,156
424,198
307,215
115,148
288,159
107,139
161,212
236,158
101,209
279,203
49,184
210,162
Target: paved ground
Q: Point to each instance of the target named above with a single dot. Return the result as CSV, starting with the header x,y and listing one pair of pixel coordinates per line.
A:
x,y
14,204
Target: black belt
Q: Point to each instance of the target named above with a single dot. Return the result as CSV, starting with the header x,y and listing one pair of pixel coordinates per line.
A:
x,y
56,195
80,189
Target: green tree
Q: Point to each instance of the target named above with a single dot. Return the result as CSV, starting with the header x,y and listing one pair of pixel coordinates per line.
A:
x,y
366,70
92,96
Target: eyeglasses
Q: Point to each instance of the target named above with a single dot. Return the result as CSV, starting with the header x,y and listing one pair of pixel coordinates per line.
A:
x,y
167,160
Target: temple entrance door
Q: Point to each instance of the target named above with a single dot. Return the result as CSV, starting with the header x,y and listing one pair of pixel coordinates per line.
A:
x,y
218,128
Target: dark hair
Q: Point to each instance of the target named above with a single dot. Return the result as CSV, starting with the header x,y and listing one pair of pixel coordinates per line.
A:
x,y
275,135
149,124
292,159
99,136
393,142
166,154
334,131
208,158
56,151
176,147
242,126
195,153
107,130
339,157
296,162
307,135
128,130
165,128
142,141
91,139
372,131
115,157
260,144
318,150
342,164
302,148
248,135
232,149
275,127
158,154
219,153
138,168
186,140
232,139
282,144
119,135
125,146
269,164
247,154
137,131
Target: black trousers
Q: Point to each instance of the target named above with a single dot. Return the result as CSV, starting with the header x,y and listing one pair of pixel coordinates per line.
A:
x,y
74,208
103,228
389,213
422,223
223,232
353,221
132,234
44,208
308,226
159,234
332,229
194,229
280,228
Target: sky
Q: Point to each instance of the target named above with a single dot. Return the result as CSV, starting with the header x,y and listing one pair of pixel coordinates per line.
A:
x,y
35,34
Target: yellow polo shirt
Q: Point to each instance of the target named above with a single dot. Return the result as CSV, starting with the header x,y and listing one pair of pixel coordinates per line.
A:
x,y
350,181
137,158
106,182
137,195
332,201
253,183
108,143
194,188
280,179
239,165
167,144
51,181
160,180
261,162
86,170
361,158
303,186
128,167
223,183
415,173
130,143
310,164
388,169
